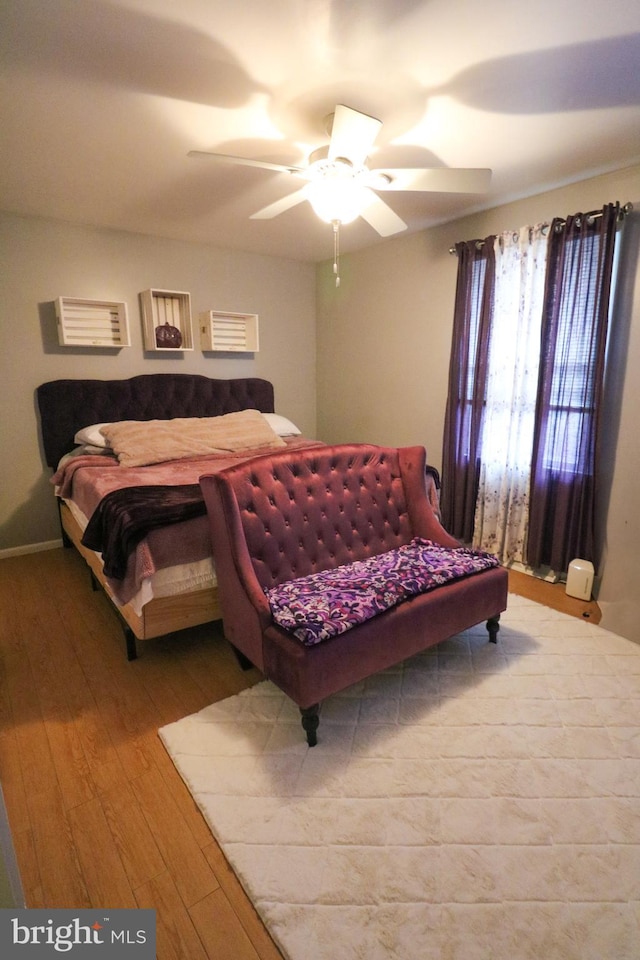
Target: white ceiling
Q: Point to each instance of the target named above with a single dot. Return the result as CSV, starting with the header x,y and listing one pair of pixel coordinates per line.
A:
x,y
100,101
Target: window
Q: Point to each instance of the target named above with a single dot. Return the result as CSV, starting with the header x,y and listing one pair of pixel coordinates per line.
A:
x,y
573,369
539,504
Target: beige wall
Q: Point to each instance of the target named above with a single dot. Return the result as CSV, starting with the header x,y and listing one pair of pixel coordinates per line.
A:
x,y
42,260
383,348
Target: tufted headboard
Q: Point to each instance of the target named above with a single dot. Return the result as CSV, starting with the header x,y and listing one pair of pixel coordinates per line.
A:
x,y
67,405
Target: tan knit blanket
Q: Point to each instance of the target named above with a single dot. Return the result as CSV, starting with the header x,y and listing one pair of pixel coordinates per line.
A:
x,y
139,442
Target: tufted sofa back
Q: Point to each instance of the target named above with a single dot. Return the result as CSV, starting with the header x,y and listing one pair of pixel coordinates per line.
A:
x,y
299,512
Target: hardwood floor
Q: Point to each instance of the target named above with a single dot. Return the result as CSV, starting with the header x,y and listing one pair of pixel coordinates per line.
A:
x,y
99,817
553,595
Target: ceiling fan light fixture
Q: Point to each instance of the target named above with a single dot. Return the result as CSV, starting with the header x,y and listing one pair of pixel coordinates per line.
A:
x,y
336,196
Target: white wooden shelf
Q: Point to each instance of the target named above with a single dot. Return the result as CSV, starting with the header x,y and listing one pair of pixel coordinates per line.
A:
x,y
92,323
229,332
166,320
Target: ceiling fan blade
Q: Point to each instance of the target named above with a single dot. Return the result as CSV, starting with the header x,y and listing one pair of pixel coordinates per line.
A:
x,y
280,206
381,217
352,135
434,180
245,161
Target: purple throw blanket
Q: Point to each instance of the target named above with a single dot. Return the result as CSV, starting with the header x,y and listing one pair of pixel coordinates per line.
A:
x,y
329,603
124,517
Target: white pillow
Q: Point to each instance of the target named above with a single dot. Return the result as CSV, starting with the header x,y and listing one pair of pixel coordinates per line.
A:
x,y
91,435
282,426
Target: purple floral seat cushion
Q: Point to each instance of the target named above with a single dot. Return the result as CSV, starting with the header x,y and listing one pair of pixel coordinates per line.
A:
x,y
328,603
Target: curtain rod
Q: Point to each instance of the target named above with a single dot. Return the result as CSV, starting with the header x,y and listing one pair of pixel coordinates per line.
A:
x,y
626,209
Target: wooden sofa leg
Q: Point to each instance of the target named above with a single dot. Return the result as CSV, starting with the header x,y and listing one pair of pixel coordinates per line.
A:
x,y
310,721
493,626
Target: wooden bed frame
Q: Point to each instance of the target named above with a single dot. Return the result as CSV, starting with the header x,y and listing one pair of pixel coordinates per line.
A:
x,y
159,616
68,405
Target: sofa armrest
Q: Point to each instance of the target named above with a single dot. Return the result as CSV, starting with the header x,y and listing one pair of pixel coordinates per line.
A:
x,y
245,608
424,522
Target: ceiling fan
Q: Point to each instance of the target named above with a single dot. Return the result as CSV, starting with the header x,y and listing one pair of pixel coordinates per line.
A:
x,y
340,186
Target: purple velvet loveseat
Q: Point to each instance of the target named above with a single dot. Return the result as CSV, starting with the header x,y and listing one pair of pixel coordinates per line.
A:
x,y
281,519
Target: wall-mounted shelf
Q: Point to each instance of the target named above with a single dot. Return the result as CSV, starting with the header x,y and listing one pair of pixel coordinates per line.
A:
x,y
229,332
166,320
92,323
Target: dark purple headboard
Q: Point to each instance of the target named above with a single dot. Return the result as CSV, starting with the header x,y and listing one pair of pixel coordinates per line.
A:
x,y
67,405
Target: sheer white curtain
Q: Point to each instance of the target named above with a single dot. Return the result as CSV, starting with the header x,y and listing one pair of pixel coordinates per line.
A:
x,y
502,505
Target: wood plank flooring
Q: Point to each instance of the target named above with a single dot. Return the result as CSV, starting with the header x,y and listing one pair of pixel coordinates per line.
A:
x,y
99,817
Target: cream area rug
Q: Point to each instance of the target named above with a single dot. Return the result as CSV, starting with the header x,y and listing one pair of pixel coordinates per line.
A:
x,y
478,802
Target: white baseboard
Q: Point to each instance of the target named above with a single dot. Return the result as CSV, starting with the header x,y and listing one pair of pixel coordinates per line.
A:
x,y
30,548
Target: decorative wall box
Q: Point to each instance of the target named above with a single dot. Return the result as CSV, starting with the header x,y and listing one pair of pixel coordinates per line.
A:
x,y
166,320
92,323
229,332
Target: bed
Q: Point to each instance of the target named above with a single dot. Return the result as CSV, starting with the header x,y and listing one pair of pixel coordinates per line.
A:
x,y
169,582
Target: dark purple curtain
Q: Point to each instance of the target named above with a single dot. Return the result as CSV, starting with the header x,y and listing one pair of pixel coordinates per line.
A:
x,y
467,385
570,387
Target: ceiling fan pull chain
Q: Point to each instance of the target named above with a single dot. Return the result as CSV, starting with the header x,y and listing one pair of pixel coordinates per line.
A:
x,y
336,250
